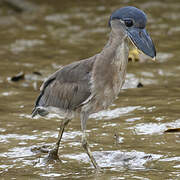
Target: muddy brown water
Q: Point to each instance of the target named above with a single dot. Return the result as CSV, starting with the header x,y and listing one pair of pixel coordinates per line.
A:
x,y
128,139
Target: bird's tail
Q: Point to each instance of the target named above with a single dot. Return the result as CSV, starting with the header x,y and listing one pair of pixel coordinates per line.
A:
x,y
39,110
34,112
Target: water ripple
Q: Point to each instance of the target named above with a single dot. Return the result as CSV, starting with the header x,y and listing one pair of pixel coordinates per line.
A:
x,y
115,113
132,160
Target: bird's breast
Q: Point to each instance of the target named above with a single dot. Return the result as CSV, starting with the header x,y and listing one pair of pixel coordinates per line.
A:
x,y
108,77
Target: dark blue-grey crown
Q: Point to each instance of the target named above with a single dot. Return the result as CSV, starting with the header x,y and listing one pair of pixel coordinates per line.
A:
x,y
129,12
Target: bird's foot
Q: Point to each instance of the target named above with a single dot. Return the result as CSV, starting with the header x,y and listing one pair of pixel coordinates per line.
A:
x,y
53,155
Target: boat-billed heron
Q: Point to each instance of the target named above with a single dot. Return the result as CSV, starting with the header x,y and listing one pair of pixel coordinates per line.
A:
x,y
91,85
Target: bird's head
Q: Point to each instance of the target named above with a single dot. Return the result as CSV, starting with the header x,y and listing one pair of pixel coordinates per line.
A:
x,y
133,21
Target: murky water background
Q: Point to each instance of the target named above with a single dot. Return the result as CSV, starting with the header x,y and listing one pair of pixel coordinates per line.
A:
x,y
128,140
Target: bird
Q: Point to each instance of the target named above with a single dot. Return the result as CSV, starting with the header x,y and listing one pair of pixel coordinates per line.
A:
x,y
90,85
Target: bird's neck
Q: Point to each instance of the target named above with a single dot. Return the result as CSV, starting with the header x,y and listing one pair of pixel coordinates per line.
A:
x,y
116,51
117,45
113,57
109,70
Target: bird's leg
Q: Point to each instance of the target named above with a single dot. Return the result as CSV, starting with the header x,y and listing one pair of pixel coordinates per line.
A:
x,y
53,154
84,117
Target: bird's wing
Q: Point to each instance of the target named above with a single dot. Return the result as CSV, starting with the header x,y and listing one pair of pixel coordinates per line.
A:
x,y
68,87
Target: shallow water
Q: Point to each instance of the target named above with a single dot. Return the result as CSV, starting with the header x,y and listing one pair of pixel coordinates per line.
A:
x,y
128,139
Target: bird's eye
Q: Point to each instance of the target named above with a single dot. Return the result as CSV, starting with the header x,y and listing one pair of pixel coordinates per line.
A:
x,y
128,22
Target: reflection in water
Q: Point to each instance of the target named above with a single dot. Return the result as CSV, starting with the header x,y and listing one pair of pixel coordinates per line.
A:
x,y
59,33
